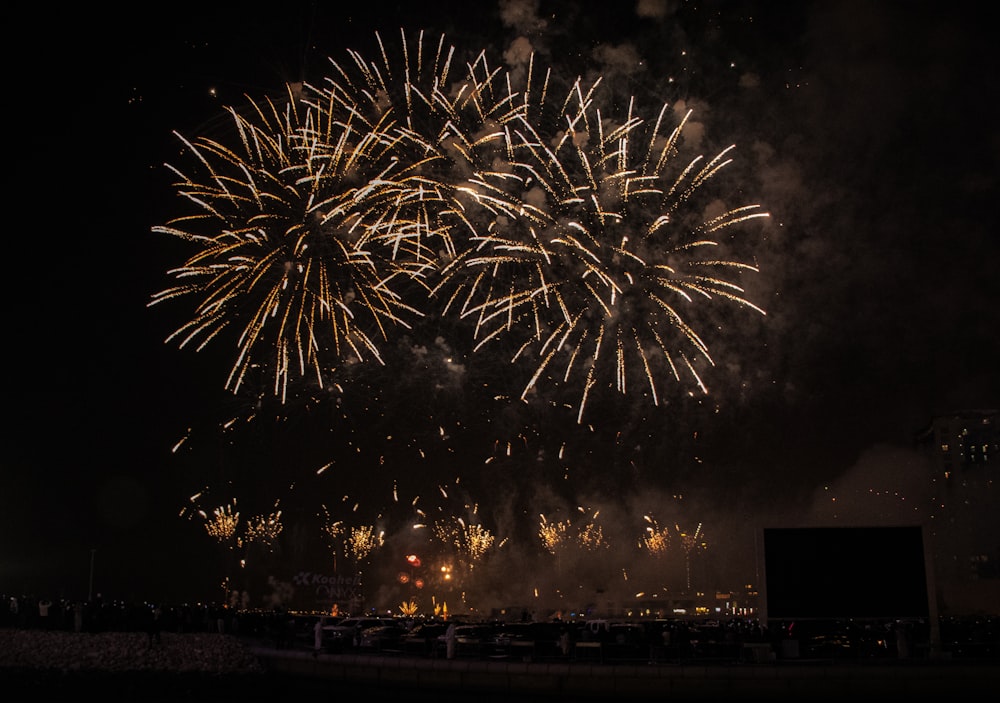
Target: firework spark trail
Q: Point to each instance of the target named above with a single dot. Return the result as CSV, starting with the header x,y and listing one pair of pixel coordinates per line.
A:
x,y
471,541
459,527
362,541
569,235
264,529
223,523
291,226
591,535
441,120
584,251
553,224
691,540
656,539
553,534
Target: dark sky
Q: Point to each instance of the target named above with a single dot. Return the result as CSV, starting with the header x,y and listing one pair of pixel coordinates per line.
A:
x,y
865,129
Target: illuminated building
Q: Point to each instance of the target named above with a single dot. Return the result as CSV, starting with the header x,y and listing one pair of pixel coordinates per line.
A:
x,y
963,451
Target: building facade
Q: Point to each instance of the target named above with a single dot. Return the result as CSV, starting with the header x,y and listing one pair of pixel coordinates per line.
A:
x,y
963,452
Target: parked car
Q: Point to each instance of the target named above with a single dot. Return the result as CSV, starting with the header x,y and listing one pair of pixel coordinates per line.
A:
x,y
528,640
385,637
471,640
626,641
305,628
346,633
512,640
422,638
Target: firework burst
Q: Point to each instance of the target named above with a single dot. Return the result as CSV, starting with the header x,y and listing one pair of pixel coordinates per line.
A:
x,y
553,534
590,535
691,542
656,539
361,541
589,245
264,529
573,235
443,116
223,523
301,231
588,256
471,541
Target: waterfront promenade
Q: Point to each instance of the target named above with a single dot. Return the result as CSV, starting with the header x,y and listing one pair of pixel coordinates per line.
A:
x,y
268,656
115,667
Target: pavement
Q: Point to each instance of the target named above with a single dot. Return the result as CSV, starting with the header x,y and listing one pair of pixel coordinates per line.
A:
x,y
377,676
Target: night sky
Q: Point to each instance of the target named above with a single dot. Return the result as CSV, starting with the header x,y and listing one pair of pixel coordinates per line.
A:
x,y
865,130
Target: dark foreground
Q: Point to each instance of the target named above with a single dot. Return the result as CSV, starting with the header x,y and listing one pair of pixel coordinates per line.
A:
x,y
802,683
416,679
221,669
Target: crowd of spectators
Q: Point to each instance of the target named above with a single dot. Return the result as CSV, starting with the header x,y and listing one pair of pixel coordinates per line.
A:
x,y
56,650
106,615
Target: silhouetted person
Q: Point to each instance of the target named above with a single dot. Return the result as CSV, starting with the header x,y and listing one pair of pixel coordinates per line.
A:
x,y
902,640
154,625
450,641
564,641
318,636
43,613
